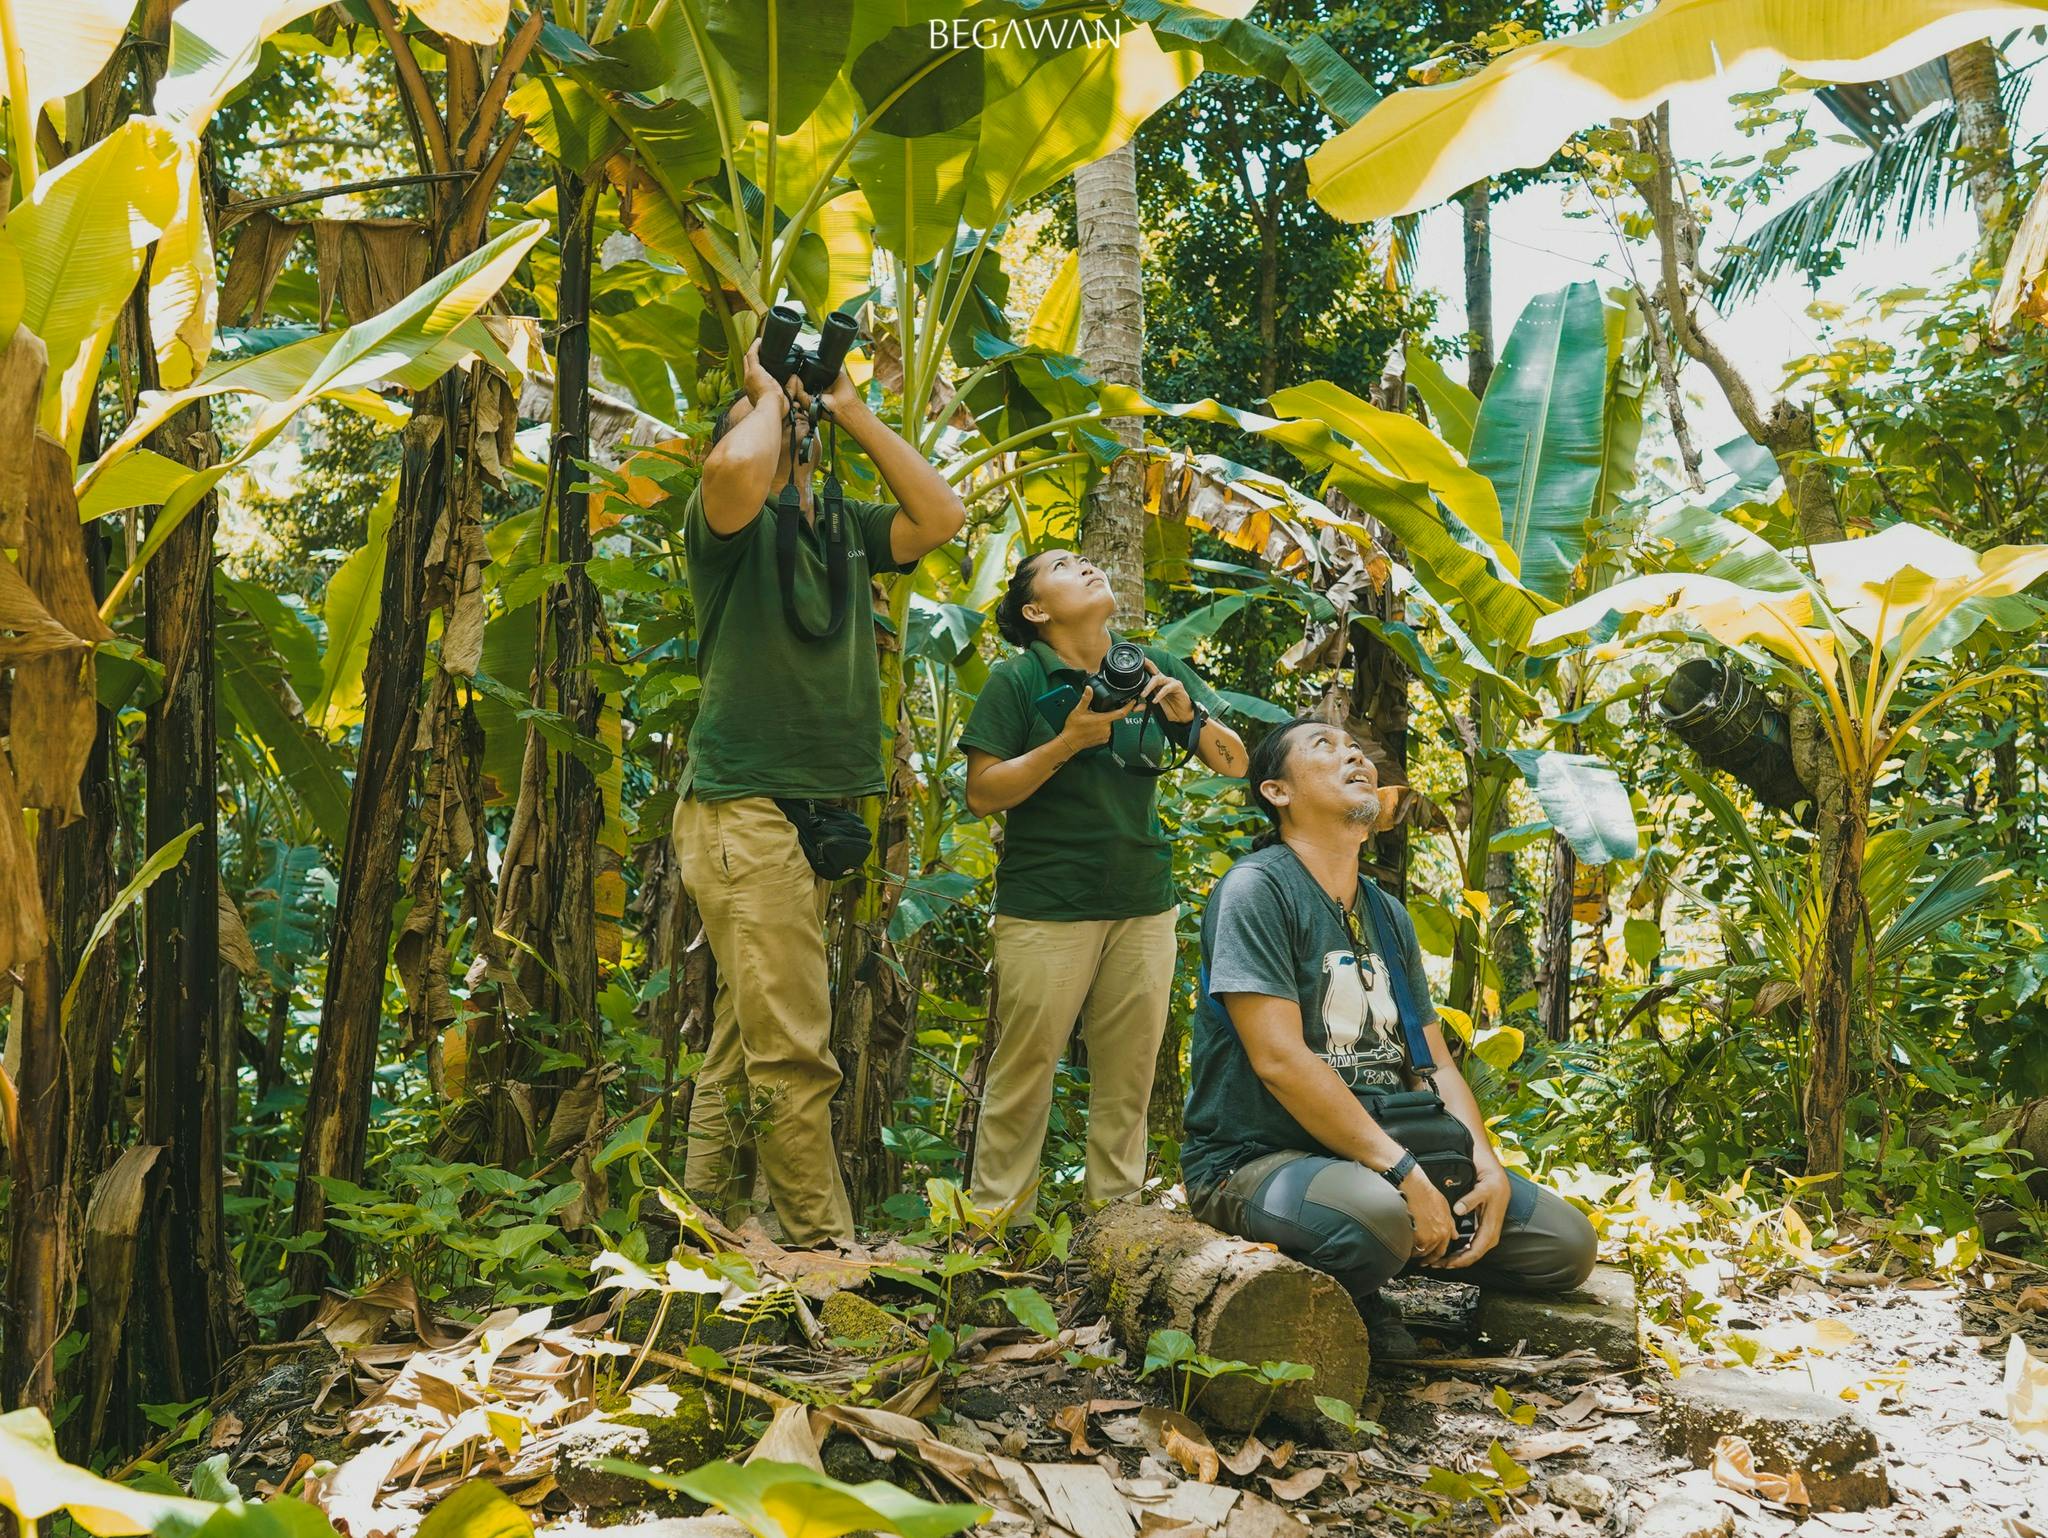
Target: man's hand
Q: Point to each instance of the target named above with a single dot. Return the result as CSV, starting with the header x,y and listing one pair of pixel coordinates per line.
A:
x,y
1087,727
1489,1198
759,384
1431,1214
841,397
1168,693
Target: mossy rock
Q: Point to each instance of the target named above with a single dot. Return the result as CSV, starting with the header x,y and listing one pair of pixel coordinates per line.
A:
x,y
869,1326
689,1436
721,1332
847,1458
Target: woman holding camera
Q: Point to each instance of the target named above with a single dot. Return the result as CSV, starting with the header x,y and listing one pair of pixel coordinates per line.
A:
x,y
1068,739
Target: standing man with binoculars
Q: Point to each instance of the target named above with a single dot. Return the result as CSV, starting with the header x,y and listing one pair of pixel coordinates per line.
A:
x,y
788,732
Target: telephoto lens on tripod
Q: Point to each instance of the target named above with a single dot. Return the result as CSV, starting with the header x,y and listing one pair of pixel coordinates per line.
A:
x,y
785,357
1733,726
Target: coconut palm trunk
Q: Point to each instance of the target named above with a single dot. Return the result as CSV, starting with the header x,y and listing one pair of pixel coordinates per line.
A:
x,y
1112,341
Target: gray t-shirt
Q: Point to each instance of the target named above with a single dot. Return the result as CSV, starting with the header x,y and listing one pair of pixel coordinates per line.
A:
x,y
1270,928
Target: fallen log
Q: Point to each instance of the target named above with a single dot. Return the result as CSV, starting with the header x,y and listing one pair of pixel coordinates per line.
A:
x,y
1151,1269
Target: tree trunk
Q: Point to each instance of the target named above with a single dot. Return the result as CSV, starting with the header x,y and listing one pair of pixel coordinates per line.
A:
x,y
338,1096
1984,140
184,1330
579,809
1830,1001
1554,974
1112,343
40,1242
1150,1269
1478,203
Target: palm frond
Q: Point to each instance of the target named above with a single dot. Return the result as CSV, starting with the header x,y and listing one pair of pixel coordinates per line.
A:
x,y
1905,180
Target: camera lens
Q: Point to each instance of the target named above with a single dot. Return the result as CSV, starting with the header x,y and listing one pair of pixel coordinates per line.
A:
x,y
1124,668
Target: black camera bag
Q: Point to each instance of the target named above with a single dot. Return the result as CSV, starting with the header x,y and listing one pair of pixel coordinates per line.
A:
x,y
834,838
1418,1119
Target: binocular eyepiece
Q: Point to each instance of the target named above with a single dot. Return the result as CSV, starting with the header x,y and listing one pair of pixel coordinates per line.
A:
x,y
785,357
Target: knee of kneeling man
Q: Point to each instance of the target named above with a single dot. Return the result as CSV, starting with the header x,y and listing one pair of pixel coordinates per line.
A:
x,y
1578,1252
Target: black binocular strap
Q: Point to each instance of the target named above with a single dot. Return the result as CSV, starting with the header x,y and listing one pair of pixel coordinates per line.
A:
x,y
788,520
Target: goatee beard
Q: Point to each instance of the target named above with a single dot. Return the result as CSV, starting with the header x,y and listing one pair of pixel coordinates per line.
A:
x,y
1362,814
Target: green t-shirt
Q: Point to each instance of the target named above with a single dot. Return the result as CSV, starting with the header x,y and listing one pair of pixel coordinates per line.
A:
x,y
1086,844
1270,928
779,715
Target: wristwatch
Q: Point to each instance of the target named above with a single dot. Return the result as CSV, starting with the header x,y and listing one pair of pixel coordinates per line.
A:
x,y
1400,1170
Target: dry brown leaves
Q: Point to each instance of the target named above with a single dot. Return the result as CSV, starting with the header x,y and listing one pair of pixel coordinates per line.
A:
x,y
1734,1465
370,263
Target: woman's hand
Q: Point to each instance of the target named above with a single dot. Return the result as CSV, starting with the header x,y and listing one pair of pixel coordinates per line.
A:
x,y
1168,693
1489,1198
1087,727
1431,1214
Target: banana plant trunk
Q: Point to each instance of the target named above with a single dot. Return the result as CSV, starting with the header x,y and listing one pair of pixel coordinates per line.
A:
x,y
1830,983
579,810
1554,971
185,1330
338,1096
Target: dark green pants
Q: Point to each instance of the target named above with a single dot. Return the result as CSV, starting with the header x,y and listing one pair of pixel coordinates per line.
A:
x,y
1343,1218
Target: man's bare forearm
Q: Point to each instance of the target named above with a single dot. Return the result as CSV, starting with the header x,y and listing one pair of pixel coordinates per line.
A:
x,y
739,472
931,508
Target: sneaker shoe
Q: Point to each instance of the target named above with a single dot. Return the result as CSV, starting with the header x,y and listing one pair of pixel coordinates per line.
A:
x,y
1391,1339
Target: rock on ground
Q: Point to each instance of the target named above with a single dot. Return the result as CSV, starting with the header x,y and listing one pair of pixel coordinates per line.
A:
x,y
1831,1446
1599,1317
1587,1494
1682,1516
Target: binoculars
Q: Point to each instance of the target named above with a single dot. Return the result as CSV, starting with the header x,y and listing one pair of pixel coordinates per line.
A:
x,y
785,357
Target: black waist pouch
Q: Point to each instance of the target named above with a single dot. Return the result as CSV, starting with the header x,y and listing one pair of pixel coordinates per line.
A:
x,y
1442,1145
834,838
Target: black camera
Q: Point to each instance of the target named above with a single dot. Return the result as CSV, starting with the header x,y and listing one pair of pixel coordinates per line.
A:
x,y
1718,712
785,357
1120,679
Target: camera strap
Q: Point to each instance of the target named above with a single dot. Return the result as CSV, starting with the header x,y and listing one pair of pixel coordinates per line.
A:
x,y
789,515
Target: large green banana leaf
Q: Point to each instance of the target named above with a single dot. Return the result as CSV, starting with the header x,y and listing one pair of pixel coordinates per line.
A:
x,y
1541,433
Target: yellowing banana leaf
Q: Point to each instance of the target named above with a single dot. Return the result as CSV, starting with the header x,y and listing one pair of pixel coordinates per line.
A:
x,y
65,43
82,237
1783,622
1904,580
794,1500
214,46
35,1481
184,292
1056,324
139,479
1403,447
1502,610
468,21
412,343
1455,407
2024,288
1422,145
1047,116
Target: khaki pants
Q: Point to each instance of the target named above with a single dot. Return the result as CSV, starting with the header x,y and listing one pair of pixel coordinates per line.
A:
x,y
1115,975
768,1073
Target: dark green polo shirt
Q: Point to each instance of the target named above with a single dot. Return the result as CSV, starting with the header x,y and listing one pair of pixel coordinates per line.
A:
x,y
778,715
1086,844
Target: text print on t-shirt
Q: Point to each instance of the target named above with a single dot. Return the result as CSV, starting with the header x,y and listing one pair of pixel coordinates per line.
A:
x,y
1360,1021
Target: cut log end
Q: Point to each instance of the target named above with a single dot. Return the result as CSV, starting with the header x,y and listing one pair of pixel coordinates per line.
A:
x,y
1152,1269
